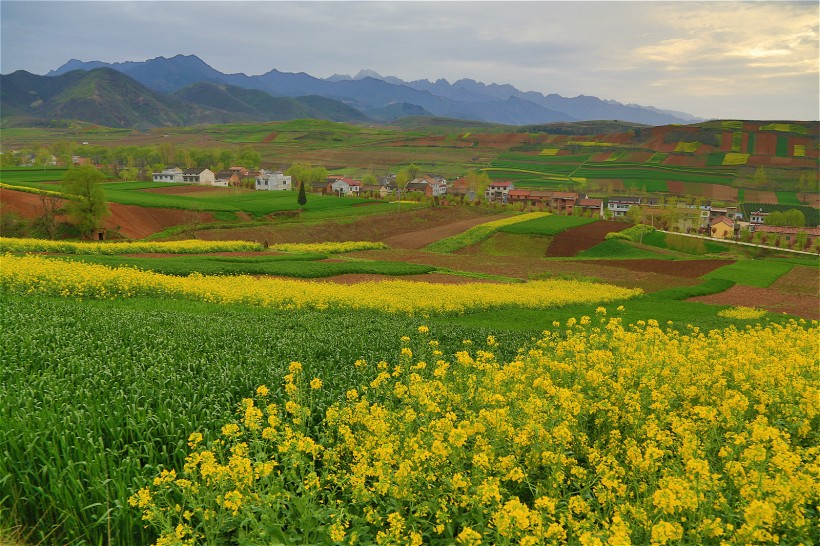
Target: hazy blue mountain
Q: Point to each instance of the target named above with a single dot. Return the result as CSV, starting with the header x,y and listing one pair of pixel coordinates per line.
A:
x,y
107,97
368,90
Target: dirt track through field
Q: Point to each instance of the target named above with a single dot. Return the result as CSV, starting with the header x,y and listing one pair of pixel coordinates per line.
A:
x,y
415,240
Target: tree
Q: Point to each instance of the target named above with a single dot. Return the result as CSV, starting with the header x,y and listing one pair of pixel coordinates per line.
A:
x,y
302,198
477,182
370,180
413,171
51,208
249,159
88,207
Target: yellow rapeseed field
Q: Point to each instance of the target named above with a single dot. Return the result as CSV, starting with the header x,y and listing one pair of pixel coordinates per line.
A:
x,y
34,274
195,246
596,434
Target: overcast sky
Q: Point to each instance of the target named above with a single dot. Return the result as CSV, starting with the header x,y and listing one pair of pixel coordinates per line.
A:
x,y
751,60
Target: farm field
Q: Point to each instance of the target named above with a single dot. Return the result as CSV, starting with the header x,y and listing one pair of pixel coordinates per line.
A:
x,y
365,372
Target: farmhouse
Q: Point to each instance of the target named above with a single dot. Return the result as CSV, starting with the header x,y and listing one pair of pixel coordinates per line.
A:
x,y
498,191
198,176
431,186
723,228
227,178
790,235
273,181
595,206
170,174
341,186
619,207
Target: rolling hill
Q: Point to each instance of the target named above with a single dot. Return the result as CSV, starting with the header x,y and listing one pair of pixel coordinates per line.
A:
x,y
104,96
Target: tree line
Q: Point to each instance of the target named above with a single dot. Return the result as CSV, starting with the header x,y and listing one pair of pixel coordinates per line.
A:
x,y
133,162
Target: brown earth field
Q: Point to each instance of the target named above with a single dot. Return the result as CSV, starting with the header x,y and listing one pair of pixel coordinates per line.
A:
x,y
800,281
572,241
377,227
766,298
690,269
525,268
131,221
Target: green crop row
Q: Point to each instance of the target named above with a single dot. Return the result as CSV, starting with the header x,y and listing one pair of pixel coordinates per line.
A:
x,y
547,225
304,266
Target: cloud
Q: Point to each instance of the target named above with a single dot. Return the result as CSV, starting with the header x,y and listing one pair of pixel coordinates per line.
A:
x,y
688,56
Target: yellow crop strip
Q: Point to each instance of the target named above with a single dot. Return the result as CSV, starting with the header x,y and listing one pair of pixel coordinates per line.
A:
x,y
39,275
196,246
597,433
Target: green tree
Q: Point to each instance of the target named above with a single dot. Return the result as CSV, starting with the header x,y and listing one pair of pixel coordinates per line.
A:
x,y
413,171
88,208
249,158
761,178
369,180
302,198
477,182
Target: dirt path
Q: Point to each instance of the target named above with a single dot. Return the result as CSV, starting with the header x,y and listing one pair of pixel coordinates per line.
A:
x,y
415,240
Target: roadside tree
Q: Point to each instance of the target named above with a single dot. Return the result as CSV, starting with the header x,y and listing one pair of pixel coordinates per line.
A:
x,y
88,208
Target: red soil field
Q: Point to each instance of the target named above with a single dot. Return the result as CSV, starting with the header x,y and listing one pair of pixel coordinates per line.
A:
x,y
574,240
690,269
766,298
130,220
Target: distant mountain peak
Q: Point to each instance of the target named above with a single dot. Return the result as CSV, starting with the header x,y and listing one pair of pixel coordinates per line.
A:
x,y
368,89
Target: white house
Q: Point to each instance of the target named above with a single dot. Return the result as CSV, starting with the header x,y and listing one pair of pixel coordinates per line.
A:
x,y
198,176
171,174
498,191
273,181
341,186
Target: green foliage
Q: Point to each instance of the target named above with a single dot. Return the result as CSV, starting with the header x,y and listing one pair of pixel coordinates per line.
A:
x,y
131,379
548,225
706,288
791,217
287,265
90,207
760,273
635,233
619,249
302,197
478,233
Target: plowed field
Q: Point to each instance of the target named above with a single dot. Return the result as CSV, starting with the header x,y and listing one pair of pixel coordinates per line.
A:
x,y
572,241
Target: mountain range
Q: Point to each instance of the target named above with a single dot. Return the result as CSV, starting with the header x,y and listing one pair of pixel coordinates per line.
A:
x,y
185,90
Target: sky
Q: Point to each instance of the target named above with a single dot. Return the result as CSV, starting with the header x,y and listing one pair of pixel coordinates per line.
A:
x,y
727,60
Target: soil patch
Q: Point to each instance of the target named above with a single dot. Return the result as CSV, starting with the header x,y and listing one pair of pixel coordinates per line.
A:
x,y
800,281
421,238
572,241
690,269
434,278
765,298
131,221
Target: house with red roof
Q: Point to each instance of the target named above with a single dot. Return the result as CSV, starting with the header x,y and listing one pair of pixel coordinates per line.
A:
x,y
498,191
722,227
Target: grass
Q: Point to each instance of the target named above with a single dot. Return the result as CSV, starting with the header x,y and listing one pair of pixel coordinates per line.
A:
x,y
706,288
548,225
661,308
131,379
620,249
759,273
306,266
681,243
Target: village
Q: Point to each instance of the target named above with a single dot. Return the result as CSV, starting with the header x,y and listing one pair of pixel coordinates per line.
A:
x,y
694,216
